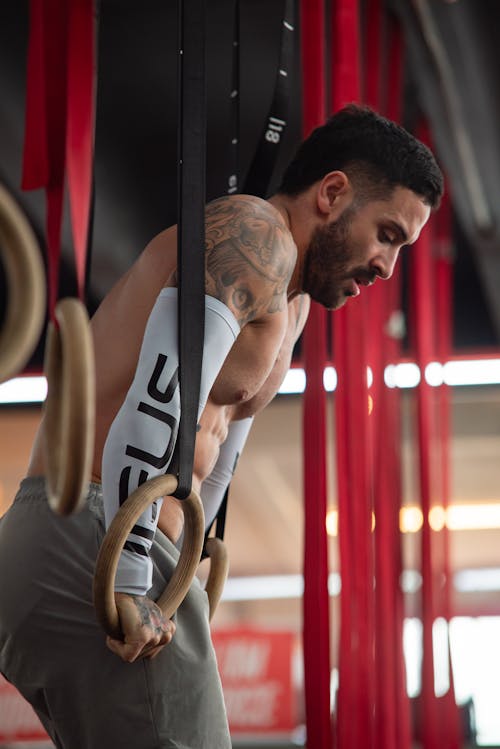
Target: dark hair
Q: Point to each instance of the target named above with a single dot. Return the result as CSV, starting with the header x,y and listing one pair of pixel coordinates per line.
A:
x,y
376,154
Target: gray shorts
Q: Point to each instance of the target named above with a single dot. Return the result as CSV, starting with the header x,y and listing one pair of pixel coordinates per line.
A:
x,y
53,650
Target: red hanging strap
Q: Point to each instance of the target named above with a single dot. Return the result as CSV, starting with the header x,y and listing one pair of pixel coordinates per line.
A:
x,y
347,677
356,672
422,309
44,153
394,90
346,79
373,48
316,632
452,738
35,156
60,57
313,67
393,104
392,708
383,426
79,143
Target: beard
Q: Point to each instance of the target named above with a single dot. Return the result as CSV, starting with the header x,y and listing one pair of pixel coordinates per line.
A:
x,y
327,265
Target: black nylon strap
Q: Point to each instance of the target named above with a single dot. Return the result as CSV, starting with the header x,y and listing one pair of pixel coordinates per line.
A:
x,y
91,220
190,227
220,522
262,167
90,239
221,516
232,188
220,519
234,172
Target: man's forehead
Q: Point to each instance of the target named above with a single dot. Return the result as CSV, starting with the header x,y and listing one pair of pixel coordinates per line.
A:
x,y
407,213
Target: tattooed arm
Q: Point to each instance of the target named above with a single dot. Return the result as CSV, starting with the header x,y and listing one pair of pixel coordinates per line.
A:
x,y
250,256
249,260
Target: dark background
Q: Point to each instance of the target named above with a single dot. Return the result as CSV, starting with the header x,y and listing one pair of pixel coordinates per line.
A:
x,y
136,129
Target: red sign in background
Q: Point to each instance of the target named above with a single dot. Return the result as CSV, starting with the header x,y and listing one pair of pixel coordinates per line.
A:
x,y
256,670
18,721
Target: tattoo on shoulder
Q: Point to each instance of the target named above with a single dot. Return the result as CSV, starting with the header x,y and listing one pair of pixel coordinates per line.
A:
x,y
250,256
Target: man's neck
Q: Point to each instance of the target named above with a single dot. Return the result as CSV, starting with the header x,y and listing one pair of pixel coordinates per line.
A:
x,y
289,207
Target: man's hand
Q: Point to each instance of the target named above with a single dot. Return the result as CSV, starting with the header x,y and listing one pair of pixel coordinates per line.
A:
x,y
145,629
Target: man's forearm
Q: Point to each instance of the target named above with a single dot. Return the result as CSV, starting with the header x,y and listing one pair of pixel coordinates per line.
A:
x,y
142,437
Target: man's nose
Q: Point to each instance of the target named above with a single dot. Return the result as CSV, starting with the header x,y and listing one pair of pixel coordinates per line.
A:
x,y
383,264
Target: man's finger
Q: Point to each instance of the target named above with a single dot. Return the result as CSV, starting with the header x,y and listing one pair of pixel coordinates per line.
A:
x,y
127,651
152,652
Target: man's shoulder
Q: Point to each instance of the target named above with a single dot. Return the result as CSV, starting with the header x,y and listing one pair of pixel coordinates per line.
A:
x,y
233,208
250,255
239,200
253,226
249,219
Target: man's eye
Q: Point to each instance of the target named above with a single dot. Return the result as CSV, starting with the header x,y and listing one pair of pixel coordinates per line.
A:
x,y
385,238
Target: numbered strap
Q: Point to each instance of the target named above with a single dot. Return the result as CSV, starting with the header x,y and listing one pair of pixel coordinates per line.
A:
x,y
261,169
24,315
191,228
233,182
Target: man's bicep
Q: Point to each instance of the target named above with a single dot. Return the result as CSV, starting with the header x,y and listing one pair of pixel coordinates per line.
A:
x,y
298,311
250,361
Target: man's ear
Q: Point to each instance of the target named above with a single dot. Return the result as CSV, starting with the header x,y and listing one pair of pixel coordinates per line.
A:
x,y
334,191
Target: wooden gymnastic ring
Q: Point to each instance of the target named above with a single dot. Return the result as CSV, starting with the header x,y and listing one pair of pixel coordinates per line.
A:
x,y
25,312
112,545
216,550
69,410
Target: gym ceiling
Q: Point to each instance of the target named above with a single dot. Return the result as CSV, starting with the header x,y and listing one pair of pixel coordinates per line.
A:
x,y
451,76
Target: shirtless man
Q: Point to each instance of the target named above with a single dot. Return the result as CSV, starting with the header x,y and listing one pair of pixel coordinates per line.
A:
x,y
357,191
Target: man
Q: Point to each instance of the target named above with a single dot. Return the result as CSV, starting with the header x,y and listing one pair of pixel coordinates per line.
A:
x,y
358,189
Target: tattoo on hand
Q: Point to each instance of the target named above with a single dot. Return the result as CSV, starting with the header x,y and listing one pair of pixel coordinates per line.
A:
x,y
148,613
